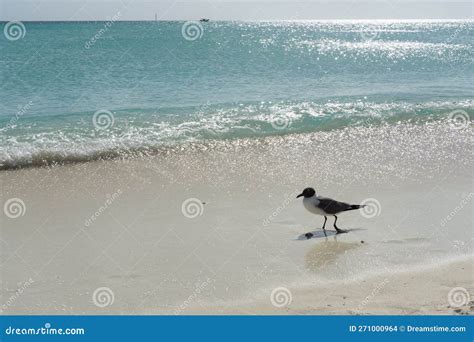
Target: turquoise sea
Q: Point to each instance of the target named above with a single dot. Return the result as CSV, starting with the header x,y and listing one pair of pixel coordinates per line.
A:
x,y
74,91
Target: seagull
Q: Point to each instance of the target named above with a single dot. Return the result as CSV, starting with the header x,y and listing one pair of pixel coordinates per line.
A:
x,y
325,206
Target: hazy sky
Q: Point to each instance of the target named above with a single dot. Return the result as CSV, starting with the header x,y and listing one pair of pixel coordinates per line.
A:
x,y
23,10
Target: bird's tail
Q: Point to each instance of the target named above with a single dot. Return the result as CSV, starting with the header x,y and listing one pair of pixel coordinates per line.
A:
x,y
356,206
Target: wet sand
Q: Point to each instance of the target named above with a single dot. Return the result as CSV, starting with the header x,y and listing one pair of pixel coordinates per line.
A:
x,y
419,291
213,228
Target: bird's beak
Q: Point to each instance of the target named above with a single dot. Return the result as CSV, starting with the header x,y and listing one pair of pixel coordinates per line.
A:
x,y
299,195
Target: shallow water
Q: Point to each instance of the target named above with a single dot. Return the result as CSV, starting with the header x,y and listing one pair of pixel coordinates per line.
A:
x,y
142,85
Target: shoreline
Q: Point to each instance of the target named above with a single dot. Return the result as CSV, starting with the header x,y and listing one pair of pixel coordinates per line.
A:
x,y
124,224
51,159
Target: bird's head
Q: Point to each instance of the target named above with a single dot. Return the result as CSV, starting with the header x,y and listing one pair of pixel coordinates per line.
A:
x,y
308,192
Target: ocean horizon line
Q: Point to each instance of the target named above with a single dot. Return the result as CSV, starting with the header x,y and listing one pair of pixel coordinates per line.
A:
x,y
387,20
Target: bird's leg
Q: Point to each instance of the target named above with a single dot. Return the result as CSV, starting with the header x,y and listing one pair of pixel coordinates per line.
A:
x,y
338,231
324,225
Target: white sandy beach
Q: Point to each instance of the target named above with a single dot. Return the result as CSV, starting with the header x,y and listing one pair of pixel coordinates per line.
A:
x,y
120,225
417,291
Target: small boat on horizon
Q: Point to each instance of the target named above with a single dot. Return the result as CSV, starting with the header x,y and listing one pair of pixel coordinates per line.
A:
x,y
204,20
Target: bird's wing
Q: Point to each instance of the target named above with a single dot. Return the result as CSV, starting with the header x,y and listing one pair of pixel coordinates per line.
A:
x,y
331,206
